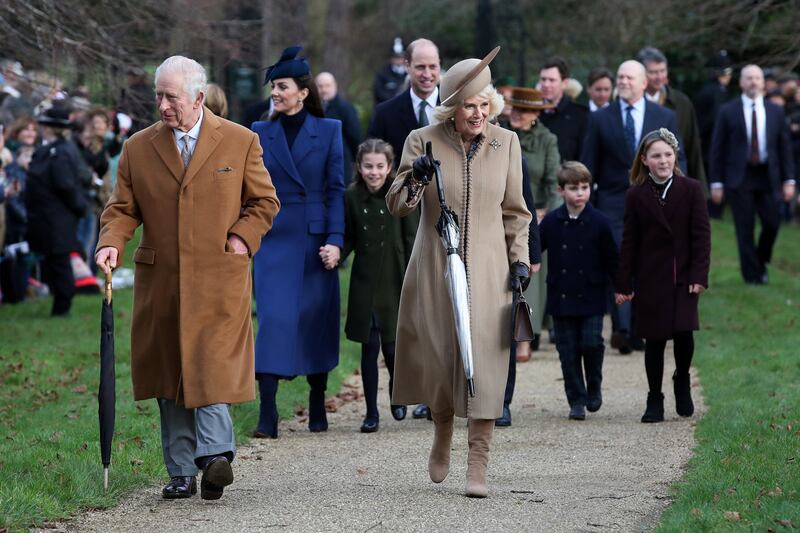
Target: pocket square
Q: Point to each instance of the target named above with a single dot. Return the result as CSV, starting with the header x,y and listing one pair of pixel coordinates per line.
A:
x,y
225,169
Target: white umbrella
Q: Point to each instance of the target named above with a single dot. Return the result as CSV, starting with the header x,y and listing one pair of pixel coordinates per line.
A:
x,y
456,276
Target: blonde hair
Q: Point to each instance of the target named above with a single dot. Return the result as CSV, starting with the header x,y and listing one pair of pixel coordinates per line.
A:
x,y
216,100
640,171
443,113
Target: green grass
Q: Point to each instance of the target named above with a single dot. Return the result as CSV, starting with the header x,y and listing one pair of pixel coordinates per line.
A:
x,y
49,452
745,474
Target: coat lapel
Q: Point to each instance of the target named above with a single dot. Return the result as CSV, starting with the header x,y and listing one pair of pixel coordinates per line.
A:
x,y
279,149
306,138
209,138
164,143
618,130
649,200
407,113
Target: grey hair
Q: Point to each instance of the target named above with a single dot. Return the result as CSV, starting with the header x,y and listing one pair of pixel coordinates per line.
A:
x,y
496,104
192,73
650,54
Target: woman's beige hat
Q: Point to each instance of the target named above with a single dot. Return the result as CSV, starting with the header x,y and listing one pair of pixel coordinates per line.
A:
x,y
466,78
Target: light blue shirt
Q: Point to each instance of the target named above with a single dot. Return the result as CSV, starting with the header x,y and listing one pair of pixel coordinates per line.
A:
x,y
761,123
416,100
638,116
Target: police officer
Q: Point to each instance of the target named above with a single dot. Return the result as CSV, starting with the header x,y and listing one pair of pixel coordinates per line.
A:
x,y
55,201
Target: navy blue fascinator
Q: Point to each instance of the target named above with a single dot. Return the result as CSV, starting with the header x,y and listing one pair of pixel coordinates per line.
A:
x,y
288,66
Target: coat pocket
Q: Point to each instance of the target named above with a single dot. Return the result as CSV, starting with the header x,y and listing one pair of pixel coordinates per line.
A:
x,y
143,255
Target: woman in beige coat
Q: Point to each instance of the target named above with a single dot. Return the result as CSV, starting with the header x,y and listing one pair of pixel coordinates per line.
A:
x,y
482,172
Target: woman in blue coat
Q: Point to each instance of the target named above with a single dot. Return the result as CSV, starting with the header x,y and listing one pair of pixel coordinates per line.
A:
x,y
296,284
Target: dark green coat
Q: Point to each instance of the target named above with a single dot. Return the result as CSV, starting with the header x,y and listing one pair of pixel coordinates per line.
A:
x,y
382,245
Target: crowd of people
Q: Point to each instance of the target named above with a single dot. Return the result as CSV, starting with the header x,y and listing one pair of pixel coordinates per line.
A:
x,y
587,210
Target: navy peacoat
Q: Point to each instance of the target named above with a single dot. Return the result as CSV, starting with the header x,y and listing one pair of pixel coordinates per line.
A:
x,y
296,297
664,250
582,259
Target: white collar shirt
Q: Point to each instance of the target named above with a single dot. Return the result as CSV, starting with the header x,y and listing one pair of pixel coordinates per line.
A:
x,y
432,99
192,135
638,115
761,123
594,107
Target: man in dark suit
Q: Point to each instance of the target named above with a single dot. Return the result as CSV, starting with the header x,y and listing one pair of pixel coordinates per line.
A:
x,y
660,92
751,161
337,107
391,79
394,119
568,120
611,142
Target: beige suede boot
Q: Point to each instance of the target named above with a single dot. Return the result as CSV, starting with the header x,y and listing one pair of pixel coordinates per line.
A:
x,y
480,436
439,460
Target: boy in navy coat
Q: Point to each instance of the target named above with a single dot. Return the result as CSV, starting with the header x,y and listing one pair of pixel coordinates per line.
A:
x,y
583,255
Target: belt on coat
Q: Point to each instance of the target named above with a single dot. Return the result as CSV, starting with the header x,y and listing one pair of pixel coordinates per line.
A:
x,y
287,198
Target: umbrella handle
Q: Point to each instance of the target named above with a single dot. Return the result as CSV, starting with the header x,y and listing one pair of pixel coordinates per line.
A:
x,y
108,287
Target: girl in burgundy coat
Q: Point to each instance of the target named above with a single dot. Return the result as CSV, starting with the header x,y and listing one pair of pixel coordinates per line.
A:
x,y
664,261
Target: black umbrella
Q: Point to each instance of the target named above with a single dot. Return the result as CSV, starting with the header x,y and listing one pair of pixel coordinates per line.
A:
x,y
107,396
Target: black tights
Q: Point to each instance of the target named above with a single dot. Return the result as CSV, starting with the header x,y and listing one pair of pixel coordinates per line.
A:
x,y
369,369
683,346
268,391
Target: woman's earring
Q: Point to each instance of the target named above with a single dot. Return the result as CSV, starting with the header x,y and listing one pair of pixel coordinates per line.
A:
x,y
301,104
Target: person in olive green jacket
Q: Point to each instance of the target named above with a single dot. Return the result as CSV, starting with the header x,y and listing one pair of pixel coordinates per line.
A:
x,y
382,246
540,149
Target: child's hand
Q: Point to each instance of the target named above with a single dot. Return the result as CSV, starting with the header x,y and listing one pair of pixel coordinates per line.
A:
x,y
696,288
620,299
330,255
535,268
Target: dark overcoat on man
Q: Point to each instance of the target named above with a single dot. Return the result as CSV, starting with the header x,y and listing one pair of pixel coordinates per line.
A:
x,y
677,243
582,257
382,246
707,104
343,111
392,121
568,122
191,332
690,132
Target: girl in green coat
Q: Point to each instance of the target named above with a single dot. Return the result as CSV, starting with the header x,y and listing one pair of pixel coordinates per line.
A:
x,y
382,246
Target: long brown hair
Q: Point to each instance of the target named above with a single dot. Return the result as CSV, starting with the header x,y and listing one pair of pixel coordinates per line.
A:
x,y
312,103
639,171
372,146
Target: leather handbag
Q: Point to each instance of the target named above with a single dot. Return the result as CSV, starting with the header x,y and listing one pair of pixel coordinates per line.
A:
x,y
522,327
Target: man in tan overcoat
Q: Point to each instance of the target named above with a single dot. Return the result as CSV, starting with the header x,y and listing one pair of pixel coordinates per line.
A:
x,y
197,185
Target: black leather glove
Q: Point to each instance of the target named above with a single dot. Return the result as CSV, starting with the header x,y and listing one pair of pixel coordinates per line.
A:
x,y
520,276
422,169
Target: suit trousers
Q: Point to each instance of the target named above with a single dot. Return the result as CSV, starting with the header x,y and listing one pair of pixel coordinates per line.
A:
x,y
613,206
189,435
754,196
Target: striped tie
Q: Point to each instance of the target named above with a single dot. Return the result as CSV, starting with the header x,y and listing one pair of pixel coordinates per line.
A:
x,y
186,154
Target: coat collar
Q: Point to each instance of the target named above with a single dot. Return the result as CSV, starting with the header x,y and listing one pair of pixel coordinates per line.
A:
x,y
303,144
163,140
675,197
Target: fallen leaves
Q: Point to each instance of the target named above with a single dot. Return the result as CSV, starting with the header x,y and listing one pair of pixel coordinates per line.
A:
x,y
732,516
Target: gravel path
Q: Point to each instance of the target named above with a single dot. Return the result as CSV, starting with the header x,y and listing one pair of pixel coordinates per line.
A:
x,y
546,473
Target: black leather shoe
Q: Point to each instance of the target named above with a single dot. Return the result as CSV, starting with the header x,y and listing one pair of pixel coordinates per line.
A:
x,y
370,425
180,487
264,435
537,339
505,420
682,387
421,411
655,408
577,412
619,341
217,474
594,402
399,412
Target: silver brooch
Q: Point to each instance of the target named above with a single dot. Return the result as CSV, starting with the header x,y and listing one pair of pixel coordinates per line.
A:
x,y
495,144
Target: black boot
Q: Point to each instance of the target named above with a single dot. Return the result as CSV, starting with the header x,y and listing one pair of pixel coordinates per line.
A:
x,y
681,384
268,415
317,417
655,408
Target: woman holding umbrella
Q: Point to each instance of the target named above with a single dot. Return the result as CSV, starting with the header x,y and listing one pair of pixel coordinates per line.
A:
x,y
481,169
